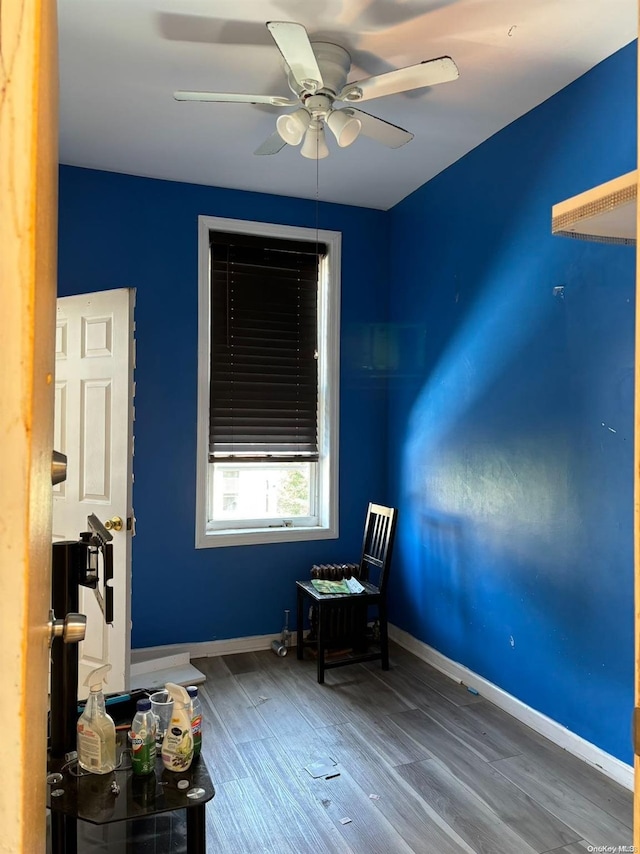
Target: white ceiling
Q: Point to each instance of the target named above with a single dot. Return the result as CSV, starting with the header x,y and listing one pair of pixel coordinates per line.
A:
x,y
121,60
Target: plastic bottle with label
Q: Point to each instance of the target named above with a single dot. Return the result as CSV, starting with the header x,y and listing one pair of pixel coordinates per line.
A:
x,y
143,739
177,745
96,729
196,719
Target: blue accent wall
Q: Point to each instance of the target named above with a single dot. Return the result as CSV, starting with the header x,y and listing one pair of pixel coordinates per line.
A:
x,y
511,440
122,231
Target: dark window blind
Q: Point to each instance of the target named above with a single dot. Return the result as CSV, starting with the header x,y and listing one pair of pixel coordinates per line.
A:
x,y
264,367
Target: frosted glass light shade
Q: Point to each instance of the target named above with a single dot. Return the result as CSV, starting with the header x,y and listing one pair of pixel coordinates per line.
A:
x,y
315,145
344,127
292,127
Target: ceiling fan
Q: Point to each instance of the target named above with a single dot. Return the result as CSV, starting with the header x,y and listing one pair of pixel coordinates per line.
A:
x,y
317,74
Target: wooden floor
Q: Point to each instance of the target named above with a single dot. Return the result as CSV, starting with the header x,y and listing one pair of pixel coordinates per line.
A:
x,y
423,765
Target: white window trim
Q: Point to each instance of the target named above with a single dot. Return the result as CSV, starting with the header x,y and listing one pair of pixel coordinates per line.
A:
x,y
329,382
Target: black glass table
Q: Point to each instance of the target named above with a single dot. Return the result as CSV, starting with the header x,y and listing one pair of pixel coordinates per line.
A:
x,y
121,796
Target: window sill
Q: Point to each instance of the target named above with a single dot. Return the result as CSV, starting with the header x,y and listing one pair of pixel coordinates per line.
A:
x,y
259,536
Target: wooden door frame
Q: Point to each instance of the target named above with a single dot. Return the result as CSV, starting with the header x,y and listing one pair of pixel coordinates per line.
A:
x,y
636,516
636,512
28,247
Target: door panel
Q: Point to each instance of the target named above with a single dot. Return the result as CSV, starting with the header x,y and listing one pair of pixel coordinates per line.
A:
x,y
93,424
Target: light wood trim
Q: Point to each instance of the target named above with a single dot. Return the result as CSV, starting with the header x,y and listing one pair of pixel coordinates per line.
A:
x,y
636,526
28,216
606,213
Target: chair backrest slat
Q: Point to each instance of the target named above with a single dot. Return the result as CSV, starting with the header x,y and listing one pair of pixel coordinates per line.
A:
x,y
377,546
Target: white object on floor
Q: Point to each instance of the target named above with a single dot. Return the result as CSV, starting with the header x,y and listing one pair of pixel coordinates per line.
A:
x,y
156,672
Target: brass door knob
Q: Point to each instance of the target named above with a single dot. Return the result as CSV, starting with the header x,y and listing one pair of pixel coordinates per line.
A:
x,y
114,524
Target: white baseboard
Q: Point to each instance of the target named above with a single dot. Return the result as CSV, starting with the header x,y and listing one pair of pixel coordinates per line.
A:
x,y
205,649
555,732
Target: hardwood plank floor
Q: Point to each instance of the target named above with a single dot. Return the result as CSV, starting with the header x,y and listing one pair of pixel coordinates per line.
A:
x,y
423,766
513,807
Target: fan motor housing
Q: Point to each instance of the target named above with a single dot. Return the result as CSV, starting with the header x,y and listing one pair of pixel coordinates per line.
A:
x,y
334,63
318,105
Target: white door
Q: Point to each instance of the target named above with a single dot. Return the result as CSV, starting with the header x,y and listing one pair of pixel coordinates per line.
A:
x,y
93,427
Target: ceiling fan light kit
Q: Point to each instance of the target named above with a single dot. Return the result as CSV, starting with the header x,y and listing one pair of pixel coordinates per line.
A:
x,y
293,126
344,127
317,75
315,145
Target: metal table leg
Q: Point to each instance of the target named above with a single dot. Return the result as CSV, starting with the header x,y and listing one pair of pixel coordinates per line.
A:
x,y
196,830
64,834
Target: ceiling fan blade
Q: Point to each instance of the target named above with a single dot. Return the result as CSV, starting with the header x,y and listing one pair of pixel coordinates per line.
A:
x,y
274,100
295,47
273,145
427,73
384,132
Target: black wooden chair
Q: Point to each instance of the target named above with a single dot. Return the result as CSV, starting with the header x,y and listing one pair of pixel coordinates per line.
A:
x,y
341,619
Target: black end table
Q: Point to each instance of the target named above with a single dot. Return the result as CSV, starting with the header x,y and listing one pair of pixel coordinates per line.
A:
x,y
91,798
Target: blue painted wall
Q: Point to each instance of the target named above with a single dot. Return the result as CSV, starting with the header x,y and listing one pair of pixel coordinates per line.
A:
x,y
511,441
509,432
121,231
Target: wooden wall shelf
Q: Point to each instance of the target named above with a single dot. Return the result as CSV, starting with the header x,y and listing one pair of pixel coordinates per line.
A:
x,y
606,213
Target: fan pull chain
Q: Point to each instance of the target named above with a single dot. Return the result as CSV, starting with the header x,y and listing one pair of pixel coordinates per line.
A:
x,y
317,210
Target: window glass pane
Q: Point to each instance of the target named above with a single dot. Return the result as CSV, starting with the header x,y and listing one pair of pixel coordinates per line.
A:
x,y
261,491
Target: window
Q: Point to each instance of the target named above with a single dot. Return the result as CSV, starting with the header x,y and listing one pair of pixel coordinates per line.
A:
x,y
268,369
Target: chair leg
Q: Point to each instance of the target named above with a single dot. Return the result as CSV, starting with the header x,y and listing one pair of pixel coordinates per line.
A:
x,y
384,635
359,617
299,634
320,645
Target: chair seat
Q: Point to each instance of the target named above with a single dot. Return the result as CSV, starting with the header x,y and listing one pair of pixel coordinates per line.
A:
x,y
370,591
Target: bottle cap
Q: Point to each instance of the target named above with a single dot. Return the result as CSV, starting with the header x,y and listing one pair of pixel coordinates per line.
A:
x,y
192,690
143,705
